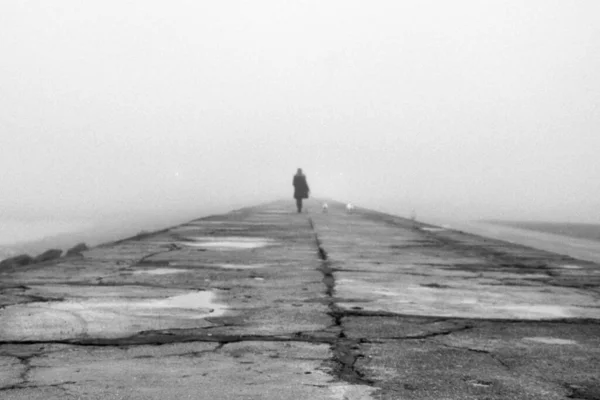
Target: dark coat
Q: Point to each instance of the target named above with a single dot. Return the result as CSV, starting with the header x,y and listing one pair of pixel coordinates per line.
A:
x,y
300,187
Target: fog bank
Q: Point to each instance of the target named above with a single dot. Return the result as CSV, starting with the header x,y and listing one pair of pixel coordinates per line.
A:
x,y
462,109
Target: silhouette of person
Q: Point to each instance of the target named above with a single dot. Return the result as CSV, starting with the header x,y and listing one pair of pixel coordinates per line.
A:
x,y
301,189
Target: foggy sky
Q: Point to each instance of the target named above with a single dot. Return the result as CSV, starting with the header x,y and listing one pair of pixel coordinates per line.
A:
x,y
467,109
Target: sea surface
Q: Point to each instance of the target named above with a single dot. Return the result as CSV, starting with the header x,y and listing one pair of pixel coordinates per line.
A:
x,y
575,240
576,230
34,236
17,235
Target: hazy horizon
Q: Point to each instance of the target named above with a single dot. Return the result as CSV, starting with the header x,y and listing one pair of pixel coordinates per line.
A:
x,y
466,109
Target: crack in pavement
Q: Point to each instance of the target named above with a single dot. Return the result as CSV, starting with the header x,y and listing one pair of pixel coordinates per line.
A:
x,y
495,357
431,334
24,385
141,261
368,313
346,352
578,392
24,375
157,338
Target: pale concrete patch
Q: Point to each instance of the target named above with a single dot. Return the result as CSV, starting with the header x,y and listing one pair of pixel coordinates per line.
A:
x,y
108,316
462,298
10,371
80,291
240,266
514,276
248,370
535,311
550,340
351,392
227,242
160,271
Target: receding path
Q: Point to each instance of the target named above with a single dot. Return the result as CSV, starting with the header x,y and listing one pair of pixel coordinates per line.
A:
x,y
265,303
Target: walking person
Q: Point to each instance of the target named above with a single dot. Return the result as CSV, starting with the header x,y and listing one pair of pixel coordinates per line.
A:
x,y
301,189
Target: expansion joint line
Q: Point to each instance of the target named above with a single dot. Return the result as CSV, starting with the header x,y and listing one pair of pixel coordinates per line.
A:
x,y
346,352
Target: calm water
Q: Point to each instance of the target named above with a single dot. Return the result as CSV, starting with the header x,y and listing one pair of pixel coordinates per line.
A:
x,y
572,244
35,236
16,236
582,231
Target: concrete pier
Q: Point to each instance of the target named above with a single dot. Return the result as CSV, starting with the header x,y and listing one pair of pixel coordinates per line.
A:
x,y
265,303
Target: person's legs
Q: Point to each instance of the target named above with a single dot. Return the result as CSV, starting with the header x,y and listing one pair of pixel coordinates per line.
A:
x,y
299,205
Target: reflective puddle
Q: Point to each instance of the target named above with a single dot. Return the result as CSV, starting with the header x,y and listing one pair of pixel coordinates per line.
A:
x,y
227,242
549,340
460,298
108,316
160,271
535,310
241,266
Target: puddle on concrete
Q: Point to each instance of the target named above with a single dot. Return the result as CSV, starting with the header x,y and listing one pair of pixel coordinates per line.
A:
x,y
571,266
160,271
535,311
227,242
549,340
201,303
108,316
462,299
191,301
479,383
433,229
241,266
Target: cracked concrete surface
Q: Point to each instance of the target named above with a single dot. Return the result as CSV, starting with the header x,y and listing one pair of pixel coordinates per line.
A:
x,y
287,306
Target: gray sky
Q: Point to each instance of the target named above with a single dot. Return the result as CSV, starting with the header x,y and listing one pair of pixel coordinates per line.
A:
x,y
467,109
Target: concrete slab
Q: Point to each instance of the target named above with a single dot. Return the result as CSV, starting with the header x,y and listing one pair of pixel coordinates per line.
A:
x,y
255,370
101,313
267,303
458,297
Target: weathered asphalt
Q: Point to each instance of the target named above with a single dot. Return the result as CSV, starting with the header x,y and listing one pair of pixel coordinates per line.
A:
x,y
265,303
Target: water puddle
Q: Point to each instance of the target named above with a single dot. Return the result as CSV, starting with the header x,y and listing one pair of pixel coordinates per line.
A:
x,y
571,266
227,242
160,271
201,303
433,229
241,266
549,340
535,311
462,298
104,315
